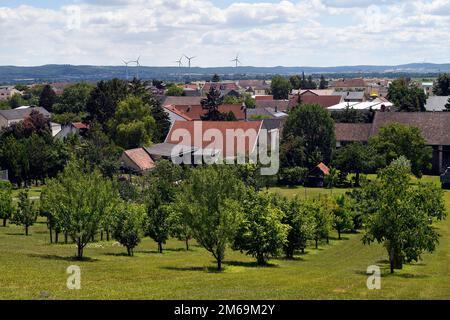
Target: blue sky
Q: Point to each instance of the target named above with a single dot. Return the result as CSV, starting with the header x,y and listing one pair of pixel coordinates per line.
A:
x,y
264,32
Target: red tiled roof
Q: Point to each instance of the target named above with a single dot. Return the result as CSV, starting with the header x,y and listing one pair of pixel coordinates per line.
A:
x,y
195,112
178,112
182,101
265,98
324,101
348,83
141,158
80,125
183,132
322,167
220,86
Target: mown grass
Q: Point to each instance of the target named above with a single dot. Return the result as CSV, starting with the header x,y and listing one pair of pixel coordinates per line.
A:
x,y
31,268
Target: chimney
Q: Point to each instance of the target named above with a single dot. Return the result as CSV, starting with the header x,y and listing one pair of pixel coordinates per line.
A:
x,y
244,107
276,109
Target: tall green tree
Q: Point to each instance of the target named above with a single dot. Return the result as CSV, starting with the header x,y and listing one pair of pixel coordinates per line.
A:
x,y
74,99
342,216
210,199
104,99
47,98
26,213
159,195
322,219
262,233
402,214
354,158
312,127
298,216
211,104
323,83
6,201
127,227
395,140
132,125
80,198
442,85
406,96
280,88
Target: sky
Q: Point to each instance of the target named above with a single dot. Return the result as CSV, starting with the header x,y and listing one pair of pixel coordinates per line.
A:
x,y
263,32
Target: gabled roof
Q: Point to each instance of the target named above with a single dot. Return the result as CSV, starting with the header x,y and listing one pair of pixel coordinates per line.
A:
x,y
80,125
178,112
165,150
348,83
20,114
195,112
140,158
281,105
434,125
220,86
324,101
353,132
184,132
182,101
350,95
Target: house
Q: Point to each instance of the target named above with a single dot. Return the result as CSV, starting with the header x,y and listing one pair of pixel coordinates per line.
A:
x,y
316,177
433,125
437,103
265,113
317,92
352,96
136,160
279,105
324,101
223,87
76,128
216,139
349,85
195,112
181,101
7,92
428,87
9,117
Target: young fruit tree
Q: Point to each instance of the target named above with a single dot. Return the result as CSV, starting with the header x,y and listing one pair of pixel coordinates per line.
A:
x,y
26,213
322,219
6,202
301,222
342,215
80,198
210,199
160,193
127,226
261,233
402,215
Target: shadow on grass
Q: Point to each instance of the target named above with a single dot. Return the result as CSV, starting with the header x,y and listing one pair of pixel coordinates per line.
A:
x,y
62,258
197,269
119,254
164,251
386,273
250,264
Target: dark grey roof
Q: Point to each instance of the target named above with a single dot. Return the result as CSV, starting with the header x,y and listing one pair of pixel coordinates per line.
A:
x,y
350,95
436,103
165,150
271,124
17,114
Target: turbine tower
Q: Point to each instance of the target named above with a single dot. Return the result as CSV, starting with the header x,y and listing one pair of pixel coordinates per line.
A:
x,y
126,68
189,62
180,64
236,60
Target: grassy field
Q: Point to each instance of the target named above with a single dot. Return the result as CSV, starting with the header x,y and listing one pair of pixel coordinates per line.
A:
x,y
31,268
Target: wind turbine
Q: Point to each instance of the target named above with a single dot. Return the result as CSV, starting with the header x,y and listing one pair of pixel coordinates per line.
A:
x,y
189,63
236,60
180,64
138,65
126,67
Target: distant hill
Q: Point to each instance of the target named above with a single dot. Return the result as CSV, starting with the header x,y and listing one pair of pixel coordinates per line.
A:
x,y
71,73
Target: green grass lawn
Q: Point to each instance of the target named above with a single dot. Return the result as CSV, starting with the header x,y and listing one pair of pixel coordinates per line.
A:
x,y
31,268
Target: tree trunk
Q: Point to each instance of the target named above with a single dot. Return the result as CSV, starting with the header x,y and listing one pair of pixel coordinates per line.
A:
x,y
219,264
79,250
56,236
303,250
260,260
160,248
101,235
51,232
107,235
339,234
328,239
317,243
391,260
65,237
187,244
26,230
4,222
130,253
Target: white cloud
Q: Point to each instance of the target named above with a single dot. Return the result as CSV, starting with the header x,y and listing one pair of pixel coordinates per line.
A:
x,y
307,32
